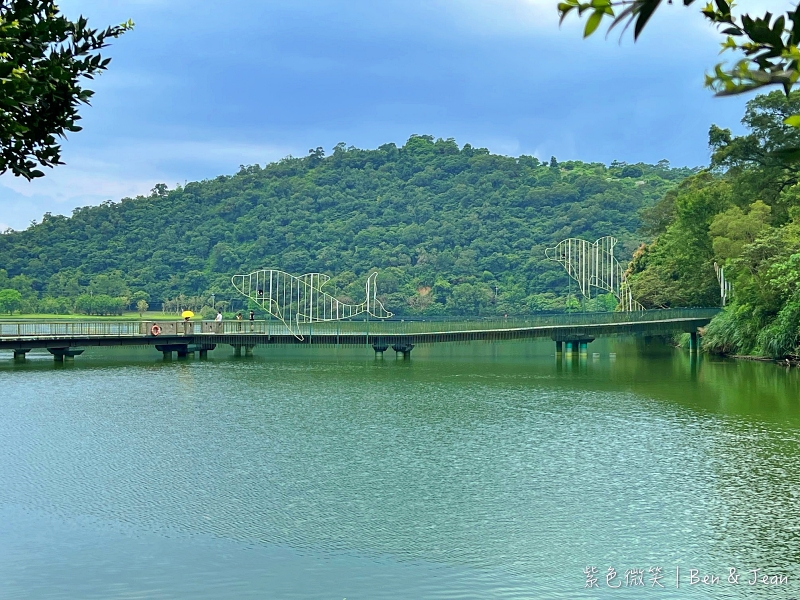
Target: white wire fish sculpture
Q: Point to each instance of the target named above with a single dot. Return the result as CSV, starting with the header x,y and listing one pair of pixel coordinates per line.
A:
x,y
593,265
294,300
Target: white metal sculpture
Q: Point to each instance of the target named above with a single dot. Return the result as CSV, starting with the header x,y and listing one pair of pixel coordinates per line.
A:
x,y
594,265
725,286
294,300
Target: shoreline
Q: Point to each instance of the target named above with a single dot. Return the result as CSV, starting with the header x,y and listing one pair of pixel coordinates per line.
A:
x,y
787,361
784,362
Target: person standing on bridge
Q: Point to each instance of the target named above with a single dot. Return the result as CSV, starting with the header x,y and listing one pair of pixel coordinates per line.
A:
x,y
252,319
218,318
239,319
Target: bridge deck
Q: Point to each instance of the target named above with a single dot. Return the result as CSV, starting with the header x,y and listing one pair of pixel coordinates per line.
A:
x,y
586,326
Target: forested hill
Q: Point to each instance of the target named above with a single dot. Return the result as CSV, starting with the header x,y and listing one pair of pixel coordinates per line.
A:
x,y
452,230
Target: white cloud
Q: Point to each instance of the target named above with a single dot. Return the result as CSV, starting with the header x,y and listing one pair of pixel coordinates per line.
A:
x,y
118,170
129,168
504,16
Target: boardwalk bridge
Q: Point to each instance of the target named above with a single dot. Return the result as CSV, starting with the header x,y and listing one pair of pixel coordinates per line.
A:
x,y
571,332
301,311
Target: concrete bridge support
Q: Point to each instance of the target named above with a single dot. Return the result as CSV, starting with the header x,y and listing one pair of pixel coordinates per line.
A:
x,y
64,354
573,346
167,350
693,343
19,354
380,348
202,349
404,349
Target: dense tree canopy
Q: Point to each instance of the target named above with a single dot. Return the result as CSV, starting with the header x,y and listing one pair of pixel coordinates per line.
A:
x,y
453,230
43,59
743,214
10,300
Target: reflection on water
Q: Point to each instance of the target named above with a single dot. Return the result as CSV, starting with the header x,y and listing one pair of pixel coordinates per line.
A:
x,y
482,470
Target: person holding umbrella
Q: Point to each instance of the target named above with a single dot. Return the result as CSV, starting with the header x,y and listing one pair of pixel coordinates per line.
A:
x,y
187,326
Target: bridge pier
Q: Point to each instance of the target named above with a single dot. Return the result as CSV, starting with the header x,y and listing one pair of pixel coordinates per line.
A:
x,y
380,348
19,354
693,346
167,350
248,349
575,344
201,348
404,349
62,354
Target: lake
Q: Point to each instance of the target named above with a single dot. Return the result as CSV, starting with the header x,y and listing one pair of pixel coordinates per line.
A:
x,y
468,471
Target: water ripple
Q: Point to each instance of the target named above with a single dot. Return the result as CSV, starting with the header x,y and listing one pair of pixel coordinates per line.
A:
x,y
446,479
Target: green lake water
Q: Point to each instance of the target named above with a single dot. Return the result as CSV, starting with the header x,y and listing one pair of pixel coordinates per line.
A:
x,y
469,471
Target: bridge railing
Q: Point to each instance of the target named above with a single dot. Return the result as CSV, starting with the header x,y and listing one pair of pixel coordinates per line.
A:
x,y
22,329
403,327
68,328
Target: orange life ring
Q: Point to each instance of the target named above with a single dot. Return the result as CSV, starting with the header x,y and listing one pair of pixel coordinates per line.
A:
x,y
155,330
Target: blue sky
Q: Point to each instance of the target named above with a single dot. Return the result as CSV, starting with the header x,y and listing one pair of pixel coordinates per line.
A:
x,y
199,88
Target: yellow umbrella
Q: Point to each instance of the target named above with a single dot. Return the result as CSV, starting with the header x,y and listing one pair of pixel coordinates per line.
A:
x,y
187,314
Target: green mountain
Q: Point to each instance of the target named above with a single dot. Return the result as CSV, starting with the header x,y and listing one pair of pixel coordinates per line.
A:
x,y
451,230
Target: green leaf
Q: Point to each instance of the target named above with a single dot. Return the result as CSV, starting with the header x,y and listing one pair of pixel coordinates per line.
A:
x,y
646,9
788,154
592,22
792,121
